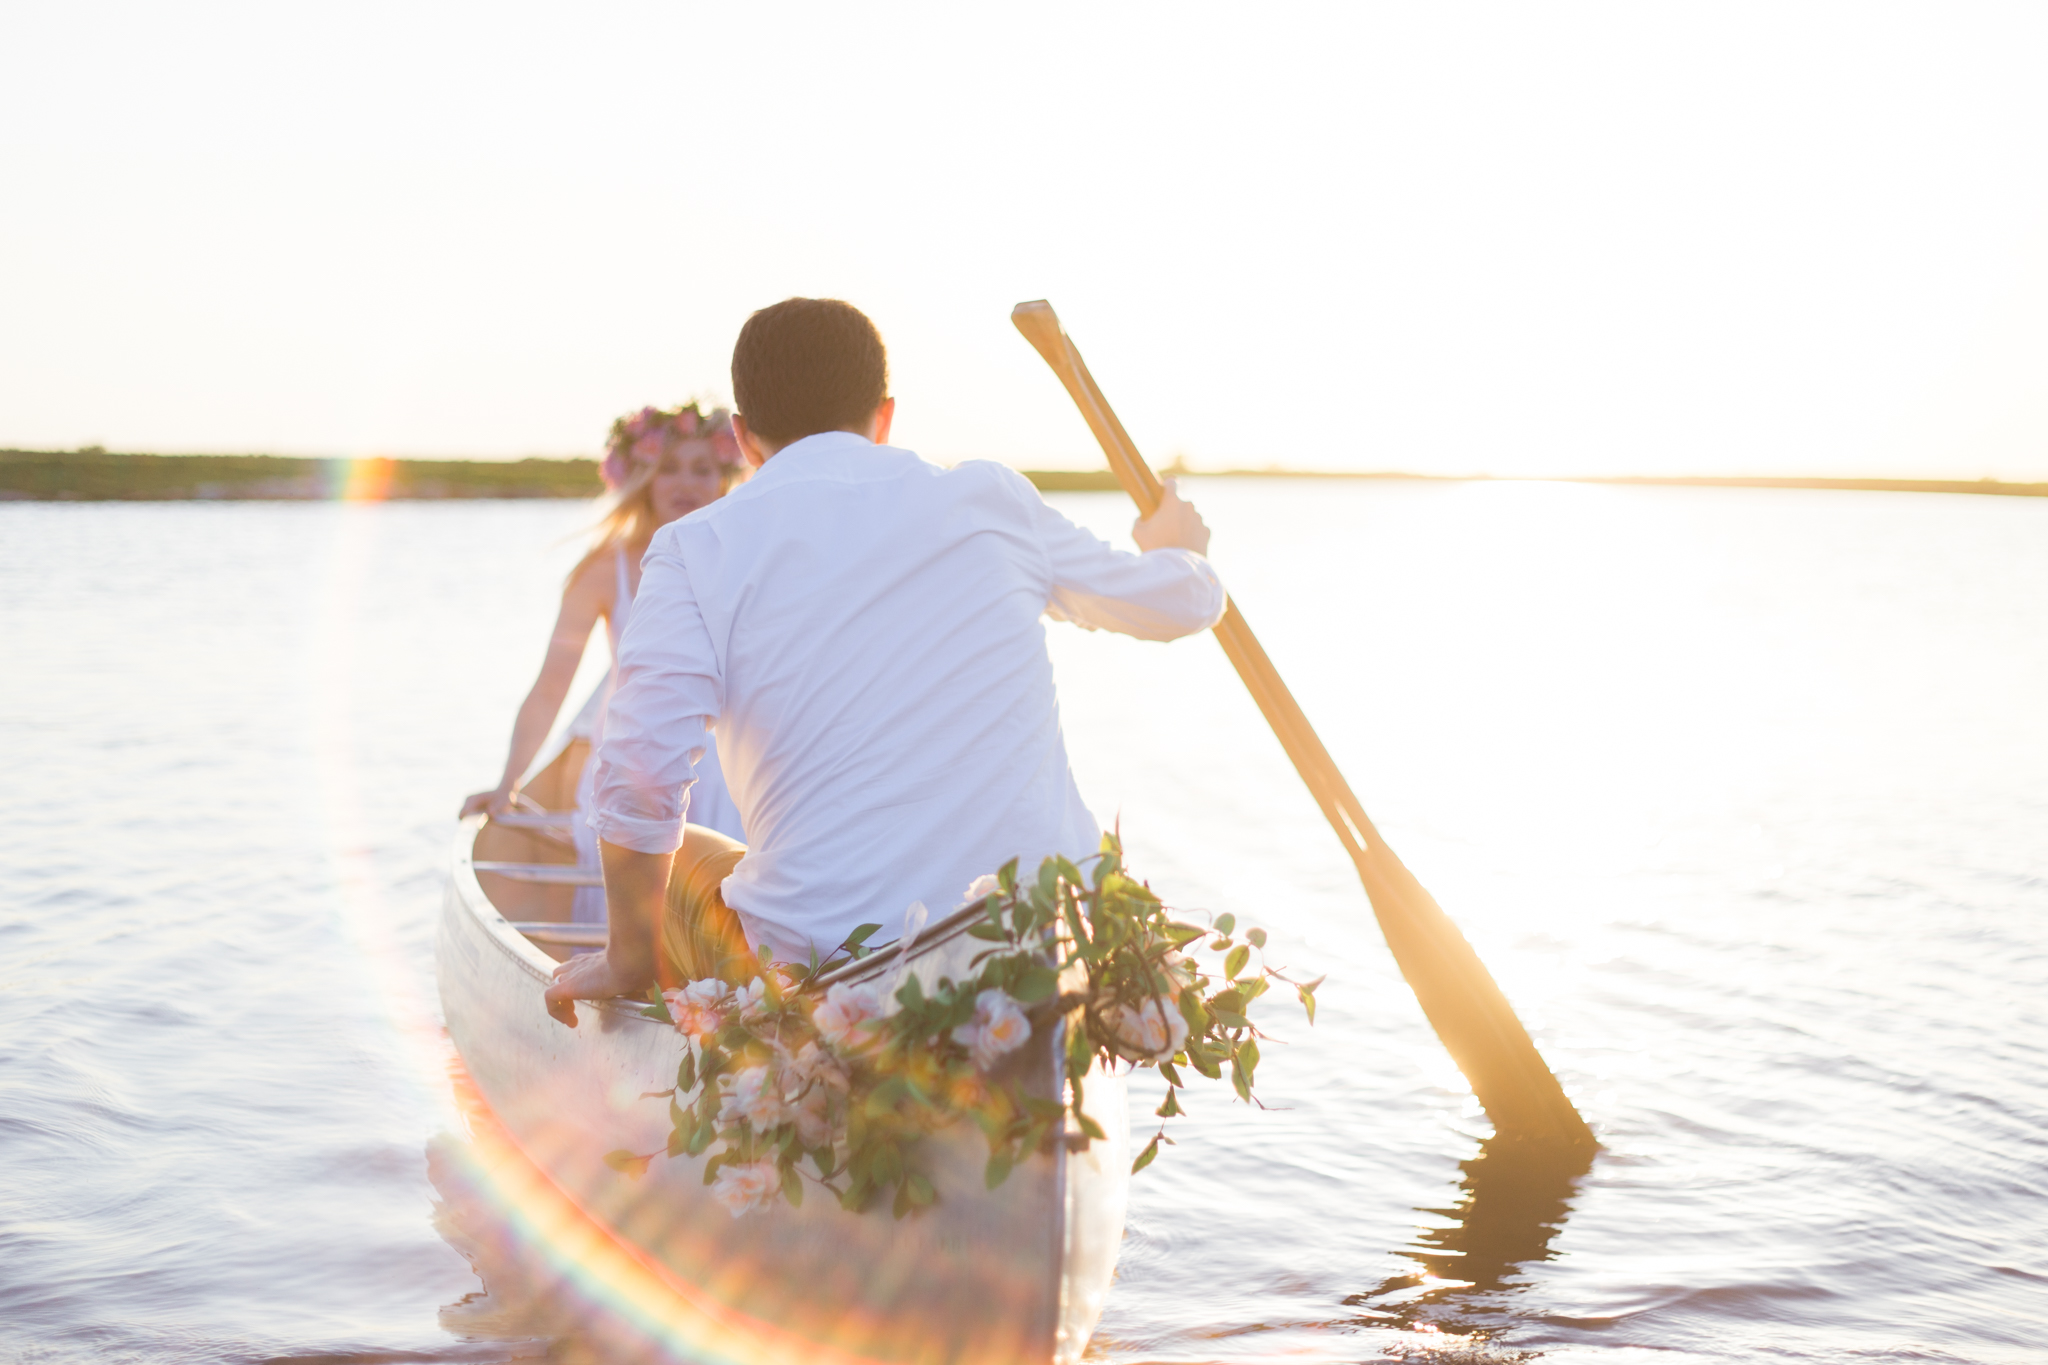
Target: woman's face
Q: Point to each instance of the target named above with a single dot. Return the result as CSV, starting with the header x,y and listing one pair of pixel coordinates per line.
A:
x,y
688,476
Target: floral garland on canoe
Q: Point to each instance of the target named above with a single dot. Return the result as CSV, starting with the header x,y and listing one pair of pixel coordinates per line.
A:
x,y
796,1080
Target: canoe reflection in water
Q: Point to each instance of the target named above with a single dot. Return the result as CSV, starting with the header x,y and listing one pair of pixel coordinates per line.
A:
x,y
1513,1199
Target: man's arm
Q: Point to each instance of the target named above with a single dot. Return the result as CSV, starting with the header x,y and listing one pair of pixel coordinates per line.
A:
x,y
1166,592
636,897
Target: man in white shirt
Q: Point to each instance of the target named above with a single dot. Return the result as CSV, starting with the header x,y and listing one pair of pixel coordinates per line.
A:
x,y
864,630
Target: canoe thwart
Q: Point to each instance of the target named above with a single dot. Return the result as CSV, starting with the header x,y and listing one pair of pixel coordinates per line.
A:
x,y
555,874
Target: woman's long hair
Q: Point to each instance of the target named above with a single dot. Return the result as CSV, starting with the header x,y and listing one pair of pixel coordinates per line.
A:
x,y
633,455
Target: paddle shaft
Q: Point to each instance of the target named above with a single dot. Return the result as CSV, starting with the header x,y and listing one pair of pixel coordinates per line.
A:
x,y
1457,993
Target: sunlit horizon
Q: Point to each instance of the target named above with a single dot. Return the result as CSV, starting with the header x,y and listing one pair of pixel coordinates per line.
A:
x,y
1595,240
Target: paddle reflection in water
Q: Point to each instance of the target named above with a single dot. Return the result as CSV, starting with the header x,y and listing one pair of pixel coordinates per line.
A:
x,y
1514,1198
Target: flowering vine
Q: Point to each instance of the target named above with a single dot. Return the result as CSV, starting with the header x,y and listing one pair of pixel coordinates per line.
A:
x,y
797,1078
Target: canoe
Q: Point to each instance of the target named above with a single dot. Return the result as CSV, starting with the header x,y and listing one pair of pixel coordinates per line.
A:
x,y
1016,1274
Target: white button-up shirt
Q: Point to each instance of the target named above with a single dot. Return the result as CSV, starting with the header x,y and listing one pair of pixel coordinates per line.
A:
x,y
863,630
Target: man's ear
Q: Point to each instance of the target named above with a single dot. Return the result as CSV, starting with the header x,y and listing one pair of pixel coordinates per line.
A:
x,y
878,432
753,447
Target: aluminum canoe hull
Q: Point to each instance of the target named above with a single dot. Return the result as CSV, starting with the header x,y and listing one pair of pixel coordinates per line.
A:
x,y
1017,1274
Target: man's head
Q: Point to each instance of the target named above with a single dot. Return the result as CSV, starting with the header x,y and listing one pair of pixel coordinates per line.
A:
x,y
804,366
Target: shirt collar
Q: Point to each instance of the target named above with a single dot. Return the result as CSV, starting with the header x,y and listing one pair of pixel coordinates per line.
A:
x,y
808,452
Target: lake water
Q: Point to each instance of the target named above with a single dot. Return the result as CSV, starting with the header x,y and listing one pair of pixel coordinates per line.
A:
x,y
1742,795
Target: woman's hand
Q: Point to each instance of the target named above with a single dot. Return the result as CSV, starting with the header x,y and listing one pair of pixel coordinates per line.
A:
x,y
497,801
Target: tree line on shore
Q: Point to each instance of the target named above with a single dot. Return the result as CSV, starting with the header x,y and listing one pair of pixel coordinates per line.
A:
x,y
95,475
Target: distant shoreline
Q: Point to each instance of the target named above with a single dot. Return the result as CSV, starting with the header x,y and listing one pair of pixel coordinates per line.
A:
x,y
98,476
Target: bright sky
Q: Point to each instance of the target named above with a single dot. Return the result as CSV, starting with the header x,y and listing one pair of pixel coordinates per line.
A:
x,y
1661,238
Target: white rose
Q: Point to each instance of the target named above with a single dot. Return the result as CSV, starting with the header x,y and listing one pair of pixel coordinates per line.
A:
x,y
982,888
751,1095
745,1186
750,999
842,1017
699,1008
997,1029
1147,1032
813,1067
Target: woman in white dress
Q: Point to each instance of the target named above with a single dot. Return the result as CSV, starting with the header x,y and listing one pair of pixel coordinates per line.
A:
x,y
659,464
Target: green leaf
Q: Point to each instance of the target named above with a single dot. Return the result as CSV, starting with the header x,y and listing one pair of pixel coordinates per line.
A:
x,y
686,1074
1172,1075
1202,1061
1191,1010
1171,1107
862,935
1090,1126
1145,1157
1257,937
1308,1001
921,1192
658,1010
1225,924
1006,876
1082,943
1181,935
994,933
999,1165
1234,964
792,1187
625,1163
706,1134
1248,1058
1035,983
911,993
1240,1082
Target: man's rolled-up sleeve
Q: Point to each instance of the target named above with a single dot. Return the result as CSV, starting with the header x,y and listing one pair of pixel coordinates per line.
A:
x,y
1157,595
654,730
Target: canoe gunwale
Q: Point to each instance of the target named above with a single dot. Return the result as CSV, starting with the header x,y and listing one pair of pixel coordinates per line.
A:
x,y
507,936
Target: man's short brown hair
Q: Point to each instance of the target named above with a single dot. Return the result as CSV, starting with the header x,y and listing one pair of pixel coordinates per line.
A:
x,y
804,366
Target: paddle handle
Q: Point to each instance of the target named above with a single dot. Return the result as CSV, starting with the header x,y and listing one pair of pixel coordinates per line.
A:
x,y
1457,994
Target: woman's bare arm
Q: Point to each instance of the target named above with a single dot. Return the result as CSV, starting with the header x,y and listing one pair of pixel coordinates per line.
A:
x,y
586,598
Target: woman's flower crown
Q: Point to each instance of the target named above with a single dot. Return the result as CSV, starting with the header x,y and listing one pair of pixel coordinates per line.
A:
x,y
642,437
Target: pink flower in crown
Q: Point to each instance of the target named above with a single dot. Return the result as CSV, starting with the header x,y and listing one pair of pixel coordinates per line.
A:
x,y
686,423
613,469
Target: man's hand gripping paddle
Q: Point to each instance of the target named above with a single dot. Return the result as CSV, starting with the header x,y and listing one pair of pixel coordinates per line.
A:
x,y
1455,990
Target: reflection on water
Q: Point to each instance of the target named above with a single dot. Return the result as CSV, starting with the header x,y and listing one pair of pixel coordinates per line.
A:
x,y
524,1298
1513,1199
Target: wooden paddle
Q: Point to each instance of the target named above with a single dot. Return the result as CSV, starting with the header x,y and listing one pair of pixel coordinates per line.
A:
x,y
1455,990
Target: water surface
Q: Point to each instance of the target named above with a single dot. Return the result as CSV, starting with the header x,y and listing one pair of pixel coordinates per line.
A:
x,y
1743,795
